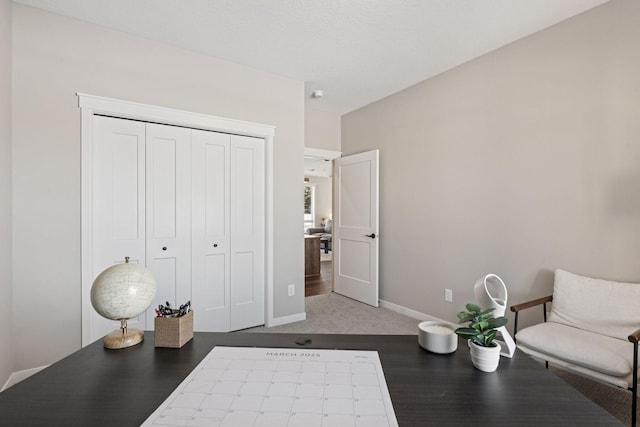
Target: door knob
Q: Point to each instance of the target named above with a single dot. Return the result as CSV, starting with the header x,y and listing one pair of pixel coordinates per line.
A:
x,y
215,245
372,235
164,248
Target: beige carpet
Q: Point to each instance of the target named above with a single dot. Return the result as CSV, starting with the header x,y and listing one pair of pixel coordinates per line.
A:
x,y
614,400
333,313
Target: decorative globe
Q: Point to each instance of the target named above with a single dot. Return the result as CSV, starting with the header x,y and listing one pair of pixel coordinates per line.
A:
x,y
123,291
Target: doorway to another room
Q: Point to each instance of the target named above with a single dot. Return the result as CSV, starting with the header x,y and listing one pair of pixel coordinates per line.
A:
x,y
318,222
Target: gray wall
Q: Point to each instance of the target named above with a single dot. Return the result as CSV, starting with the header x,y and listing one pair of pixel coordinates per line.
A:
x,y
321,129
517,163
55,57
6,340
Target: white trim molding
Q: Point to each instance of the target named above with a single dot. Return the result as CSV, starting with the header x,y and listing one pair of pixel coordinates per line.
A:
x,y
133,110
287,319
18,376
411,313
321,154
91,105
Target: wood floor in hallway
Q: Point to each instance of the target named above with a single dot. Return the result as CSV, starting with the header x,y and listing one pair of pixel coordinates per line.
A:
x,y
321,284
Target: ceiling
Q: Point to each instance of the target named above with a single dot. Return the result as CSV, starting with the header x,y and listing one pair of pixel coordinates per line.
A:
x,y
356,51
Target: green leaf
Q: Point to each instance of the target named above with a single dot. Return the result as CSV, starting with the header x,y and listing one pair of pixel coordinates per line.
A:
x,y
466,337
497,322
485,316
466,333
464,316
478,340
481,326
487,311
473,308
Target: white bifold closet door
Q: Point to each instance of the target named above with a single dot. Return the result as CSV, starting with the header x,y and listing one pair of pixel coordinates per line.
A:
x,y
247,232
168,213
117,204
228,231
189,205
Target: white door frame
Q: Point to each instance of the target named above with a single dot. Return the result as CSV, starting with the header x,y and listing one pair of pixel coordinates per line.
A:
x,y
91,105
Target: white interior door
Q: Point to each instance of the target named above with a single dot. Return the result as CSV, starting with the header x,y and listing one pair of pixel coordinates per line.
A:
x,y
211,267
355,233
247,222
117,220
168,218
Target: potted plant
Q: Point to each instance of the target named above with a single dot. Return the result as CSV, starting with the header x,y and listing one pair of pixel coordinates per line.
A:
x,y
482,330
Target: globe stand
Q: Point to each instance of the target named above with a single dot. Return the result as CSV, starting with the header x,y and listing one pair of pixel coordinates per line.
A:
x,y
124,337
122,292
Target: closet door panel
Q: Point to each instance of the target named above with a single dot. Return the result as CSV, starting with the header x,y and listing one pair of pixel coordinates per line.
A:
x,y
244,289
247,232
215,177
117,156
164,188
210,239
211,294
244,191
168,219
165,270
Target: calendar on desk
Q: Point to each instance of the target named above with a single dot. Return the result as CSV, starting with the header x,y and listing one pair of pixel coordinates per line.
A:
x,y
245,386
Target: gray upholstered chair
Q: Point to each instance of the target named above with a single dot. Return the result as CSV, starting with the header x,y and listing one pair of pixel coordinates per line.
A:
x,y
593,330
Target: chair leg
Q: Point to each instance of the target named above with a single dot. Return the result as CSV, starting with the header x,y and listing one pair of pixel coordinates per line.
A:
x,y
544,315
634,390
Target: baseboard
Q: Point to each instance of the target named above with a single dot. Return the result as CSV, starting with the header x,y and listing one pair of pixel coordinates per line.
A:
x,y
18,376
286,319
411,313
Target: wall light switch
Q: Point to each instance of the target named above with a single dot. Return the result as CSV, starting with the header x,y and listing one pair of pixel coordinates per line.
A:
x,y
292,290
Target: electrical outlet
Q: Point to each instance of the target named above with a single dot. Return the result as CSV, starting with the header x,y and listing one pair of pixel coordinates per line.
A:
x,y
292,290
448,295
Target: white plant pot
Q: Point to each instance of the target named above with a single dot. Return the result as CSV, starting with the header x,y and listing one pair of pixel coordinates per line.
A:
x,y
485,359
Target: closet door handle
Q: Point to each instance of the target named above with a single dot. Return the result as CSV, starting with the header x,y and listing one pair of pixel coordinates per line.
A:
x,y
164,248
372,235
215,245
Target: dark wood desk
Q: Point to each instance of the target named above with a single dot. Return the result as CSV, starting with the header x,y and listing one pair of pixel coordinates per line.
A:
x,y
94,386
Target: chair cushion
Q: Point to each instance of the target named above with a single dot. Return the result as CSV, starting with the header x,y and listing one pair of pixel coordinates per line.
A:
x,y
601,306
601,353
625,382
